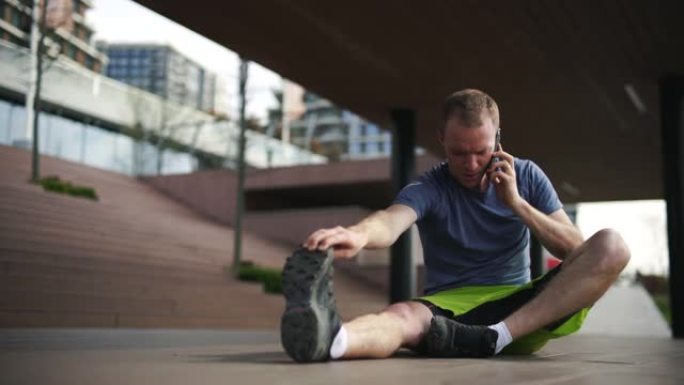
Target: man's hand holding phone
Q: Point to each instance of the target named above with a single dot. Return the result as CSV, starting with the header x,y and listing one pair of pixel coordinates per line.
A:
x,y
502,173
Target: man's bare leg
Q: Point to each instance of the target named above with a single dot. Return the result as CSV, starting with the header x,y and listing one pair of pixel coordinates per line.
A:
x,y
585,276
380,335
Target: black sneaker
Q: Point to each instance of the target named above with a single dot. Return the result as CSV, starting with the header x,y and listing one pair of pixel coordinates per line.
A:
x,y
449,338
310,321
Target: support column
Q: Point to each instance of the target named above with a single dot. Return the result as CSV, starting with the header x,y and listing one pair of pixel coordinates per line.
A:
x,y
672,120
536,258
402,272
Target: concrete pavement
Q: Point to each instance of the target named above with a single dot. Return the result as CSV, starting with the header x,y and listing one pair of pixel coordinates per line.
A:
x,y
101,356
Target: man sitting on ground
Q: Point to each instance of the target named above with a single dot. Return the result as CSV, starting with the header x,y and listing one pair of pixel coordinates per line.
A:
x,y
474,213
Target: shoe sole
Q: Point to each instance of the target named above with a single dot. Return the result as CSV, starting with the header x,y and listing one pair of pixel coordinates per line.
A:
x,y
305,325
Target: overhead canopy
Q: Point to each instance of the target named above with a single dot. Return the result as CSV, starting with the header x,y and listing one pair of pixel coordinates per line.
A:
x,y
576,81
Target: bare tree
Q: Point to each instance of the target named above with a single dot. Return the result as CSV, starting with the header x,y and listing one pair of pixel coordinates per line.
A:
x,y
41,27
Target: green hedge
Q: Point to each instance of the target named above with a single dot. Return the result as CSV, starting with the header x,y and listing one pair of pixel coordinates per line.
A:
x,y
662,301
53,183
269,277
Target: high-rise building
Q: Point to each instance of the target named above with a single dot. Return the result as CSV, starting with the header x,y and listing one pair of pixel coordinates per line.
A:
x,y
329,130
163,71
67,32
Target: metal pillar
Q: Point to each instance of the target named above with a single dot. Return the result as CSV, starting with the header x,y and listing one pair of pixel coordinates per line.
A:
x,y
672,120
536,258
402,273
240,204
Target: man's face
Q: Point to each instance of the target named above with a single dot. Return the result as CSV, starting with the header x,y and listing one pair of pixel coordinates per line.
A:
x,y
468,150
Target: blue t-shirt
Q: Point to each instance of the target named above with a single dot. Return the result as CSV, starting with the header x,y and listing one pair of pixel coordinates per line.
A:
x,y
470,237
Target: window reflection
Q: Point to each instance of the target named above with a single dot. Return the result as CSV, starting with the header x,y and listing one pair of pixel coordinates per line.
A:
x,y
91,145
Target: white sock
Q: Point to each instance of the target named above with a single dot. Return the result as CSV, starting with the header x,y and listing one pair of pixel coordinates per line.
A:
x,y
504,336
339,345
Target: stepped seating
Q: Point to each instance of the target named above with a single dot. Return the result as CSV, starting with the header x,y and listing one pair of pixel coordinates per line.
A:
x,y
135,258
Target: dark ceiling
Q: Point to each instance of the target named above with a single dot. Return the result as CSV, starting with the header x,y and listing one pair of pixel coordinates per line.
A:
x,y
561,70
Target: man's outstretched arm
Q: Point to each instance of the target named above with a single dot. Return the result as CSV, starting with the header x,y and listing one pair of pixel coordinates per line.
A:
x,y
379,230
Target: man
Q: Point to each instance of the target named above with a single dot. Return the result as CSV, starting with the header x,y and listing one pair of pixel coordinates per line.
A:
x,y
474,213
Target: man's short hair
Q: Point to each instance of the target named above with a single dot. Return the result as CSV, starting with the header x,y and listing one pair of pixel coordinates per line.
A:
x,y
469,106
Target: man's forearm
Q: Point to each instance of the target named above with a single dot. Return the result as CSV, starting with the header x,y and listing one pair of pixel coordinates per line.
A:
x,y
376,231
559,238
382,228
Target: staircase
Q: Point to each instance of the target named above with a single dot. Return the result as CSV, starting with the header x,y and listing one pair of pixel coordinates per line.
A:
x,y
135,258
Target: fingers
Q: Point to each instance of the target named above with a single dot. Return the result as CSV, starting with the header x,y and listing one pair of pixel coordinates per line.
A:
x,y
333,239
500,171
501,166
501,177
324,238
312,241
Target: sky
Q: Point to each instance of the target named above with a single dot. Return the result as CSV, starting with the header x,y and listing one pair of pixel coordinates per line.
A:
x,y
127,21
641,223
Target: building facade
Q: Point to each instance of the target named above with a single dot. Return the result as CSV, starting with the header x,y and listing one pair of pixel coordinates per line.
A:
x,y
327,129
67,32
163,71
89,118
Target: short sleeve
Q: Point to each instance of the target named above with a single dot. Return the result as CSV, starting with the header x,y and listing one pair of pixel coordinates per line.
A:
x,y
542,194
420,195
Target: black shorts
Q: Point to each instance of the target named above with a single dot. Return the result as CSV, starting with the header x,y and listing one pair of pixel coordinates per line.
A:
x,y
493,312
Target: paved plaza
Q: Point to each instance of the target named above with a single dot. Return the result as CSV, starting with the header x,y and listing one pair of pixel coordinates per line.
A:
x,y
124,356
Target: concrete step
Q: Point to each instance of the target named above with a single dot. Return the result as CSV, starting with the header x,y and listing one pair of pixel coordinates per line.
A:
x,y
59,208
23,300
97,245
56,319
135,258
41,264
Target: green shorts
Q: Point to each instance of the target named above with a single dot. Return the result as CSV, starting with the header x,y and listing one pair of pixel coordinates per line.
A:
x,y
487,305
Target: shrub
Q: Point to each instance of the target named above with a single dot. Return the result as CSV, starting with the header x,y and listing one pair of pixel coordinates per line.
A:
x,y
54,184
269,277
659,289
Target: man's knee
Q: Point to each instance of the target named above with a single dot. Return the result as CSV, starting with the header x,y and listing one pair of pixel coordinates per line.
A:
x,y
415,319
612,251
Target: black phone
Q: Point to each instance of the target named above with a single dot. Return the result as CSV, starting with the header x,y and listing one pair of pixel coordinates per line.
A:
x,y
497,141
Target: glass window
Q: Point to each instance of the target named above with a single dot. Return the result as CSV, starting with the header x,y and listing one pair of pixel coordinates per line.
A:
x,y
373,148
89,62
5,123
176,162
99,148
90,144
17,123
122,160
15,18
61,137
145,162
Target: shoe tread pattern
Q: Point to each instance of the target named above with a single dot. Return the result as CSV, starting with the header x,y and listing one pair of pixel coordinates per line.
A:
x,y
310,312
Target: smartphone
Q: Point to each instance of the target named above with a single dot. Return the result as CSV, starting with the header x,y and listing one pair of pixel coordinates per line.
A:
x,y
497,140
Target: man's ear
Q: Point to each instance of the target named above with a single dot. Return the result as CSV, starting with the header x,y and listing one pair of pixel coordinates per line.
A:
x,y
440,136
